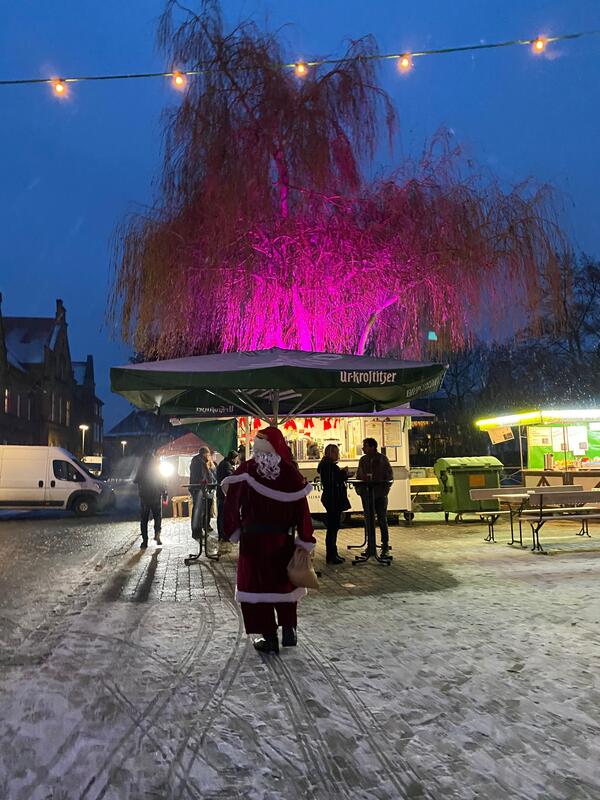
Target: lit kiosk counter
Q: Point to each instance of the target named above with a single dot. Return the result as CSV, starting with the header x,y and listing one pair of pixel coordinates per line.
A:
x,y
308,437
563,445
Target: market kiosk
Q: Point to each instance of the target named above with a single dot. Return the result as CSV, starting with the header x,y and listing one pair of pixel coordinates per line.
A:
x,y
308,437
563,445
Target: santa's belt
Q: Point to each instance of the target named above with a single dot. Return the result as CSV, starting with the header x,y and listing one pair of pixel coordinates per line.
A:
x,y
265,528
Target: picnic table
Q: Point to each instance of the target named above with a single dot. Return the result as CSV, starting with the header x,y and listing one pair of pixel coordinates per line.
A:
x,y
518,501
565,505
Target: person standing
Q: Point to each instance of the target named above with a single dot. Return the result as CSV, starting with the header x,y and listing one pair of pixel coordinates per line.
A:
x,y
224,470
151,488
264,499
375,467
202,473
334,498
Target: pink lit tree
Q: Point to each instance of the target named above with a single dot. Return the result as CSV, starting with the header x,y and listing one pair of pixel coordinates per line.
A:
x,y
266,231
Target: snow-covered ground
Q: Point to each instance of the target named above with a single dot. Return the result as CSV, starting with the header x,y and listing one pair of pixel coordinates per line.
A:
x,y
464,670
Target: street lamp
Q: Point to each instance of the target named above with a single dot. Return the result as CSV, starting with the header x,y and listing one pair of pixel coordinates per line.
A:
x,y
123,445
83,429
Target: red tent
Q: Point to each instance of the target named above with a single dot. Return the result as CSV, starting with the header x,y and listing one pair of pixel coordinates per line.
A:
x,y
186,445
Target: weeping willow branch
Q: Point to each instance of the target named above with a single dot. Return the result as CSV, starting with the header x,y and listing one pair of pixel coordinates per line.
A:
x,y
266,232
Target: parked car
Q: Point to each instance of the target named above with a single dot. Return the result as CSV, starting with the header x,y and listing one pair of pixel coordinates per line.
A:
x,y
49,477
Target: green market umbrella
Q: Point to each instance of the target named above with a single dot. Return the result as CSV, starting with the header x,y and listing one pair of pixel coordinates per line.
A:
x,y
274,383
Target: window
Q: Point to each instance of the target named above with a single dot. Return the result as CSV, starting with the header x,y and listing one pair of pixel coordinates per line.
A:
x,y
29,408
68,414
65,471
6,400
18,404
52,403
60,410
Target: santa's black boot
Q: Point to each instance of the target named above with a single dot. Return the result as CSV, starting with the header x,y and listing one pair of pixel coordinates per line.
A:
x,y
288,636
267,643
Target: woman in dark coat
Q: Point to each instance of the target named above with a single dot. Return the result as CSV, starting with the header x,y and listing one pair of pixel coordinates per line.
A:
x,y
334,498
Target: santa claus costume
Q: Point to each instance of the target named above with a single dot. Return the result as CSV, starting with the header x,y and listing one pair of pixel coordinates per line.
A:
x,y
265,499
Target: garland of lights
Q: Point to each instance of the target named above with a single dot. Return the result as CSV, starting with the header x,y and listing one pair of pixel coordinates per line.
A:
x,y
301,68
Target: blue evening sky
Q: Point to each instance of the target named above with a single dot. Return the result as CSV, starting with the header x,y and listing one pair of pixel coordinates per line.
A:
x,y
71,170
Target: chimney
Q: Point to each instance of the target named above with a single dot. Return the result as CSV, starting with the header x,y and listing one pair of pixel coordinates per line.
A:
x,y
60,311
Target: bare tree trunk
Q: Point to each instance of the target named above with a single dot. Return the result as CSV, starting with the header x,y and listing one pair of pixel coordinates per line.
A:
x,y
283,182
364,336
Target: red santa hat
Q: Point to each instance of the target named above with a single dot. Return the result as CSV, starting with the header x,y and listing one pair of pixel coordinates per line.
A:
x,y
275,438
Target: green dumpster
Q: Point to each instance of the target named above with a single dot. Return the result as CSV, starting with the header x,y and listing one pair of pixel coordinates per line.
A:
x,y
457,476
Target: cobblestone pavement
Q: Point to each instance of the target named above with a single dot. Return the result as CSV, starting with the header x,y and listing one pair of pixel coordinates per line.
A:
x,y
463,670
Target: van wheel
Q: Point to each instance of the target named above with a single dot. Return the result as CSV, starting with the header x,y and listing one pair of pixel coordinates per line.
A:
x,y
83,506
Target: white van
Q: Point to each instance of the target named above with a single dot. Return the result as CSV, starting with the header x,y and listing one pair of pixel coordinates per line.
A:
x,y
49,477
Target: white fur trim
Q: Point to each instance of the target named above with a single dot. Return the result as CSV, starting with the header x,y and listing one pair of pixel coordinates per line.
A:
x,y
266,491
235,536
310,546
269,597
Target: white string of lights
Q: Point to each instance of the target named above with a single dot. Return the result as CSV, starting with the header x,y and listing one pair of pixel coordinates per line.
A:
x,y
405,62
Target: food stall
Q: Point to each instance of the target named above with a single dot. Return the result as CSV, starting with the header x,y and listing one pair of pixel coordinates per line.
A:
x,y
563,445
308,437
280,386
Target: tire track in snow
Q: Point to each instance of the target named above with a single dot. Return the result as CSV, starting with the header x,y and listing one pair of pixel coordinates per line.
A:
x,y
213,705
351,699
121,749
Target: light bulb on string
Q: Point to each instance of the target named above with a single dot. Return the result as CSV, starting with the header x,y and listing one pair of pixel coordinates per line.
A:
x,y
60,88
405,62
179,80
301,69
539,44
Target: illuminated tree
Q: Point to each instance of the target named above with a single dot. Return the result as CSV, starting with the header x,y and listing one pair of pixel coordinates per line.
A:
x,y
266,231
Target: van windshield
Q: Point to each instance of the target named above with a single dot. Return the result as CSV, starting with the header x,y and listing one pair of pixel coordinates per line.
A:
x,y
83,468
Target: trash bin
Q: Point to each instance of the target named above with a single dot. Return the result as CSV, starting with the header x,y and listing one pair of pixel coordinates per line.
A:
x,y
457,476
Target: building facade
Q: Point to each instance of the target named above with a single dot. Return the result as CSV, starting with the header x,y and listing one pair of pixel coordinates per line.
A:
x,y
44,396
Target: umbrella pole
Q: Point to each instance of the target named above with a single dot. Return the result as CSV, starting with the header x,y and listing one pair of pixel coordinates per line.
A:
x,y
247,444
276,408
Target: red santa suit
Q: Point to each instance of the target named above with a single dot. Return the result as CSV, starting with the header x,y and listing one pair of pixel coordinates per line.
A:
x,y
265,499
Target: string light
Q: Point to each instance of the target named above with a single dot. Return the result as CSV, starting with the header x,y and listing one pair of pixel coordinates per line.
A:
x,y
301,68
405,62
179,80
60,88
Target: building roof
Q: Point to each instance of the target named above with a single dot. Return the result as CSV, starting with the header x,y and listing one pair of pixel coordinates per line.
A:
x,y
139,423
26,338
79,372
14,361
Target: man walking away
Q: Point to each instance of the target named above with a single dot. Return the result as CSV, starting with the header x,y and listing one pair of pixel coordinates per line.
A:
x,y
151,488
375,467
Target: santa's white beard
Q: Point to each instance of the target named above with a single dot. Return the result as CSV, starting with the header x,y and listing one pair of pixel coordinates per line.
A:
x,y
267,463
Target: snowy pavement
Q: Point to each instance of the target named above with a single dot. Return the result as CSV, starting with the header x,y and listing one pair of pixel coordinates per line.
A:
x,y
464,670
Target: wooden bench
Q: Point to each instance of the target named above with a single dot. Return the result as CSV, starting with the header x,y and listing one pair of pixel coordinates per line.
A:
x,y
492,516
563,505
